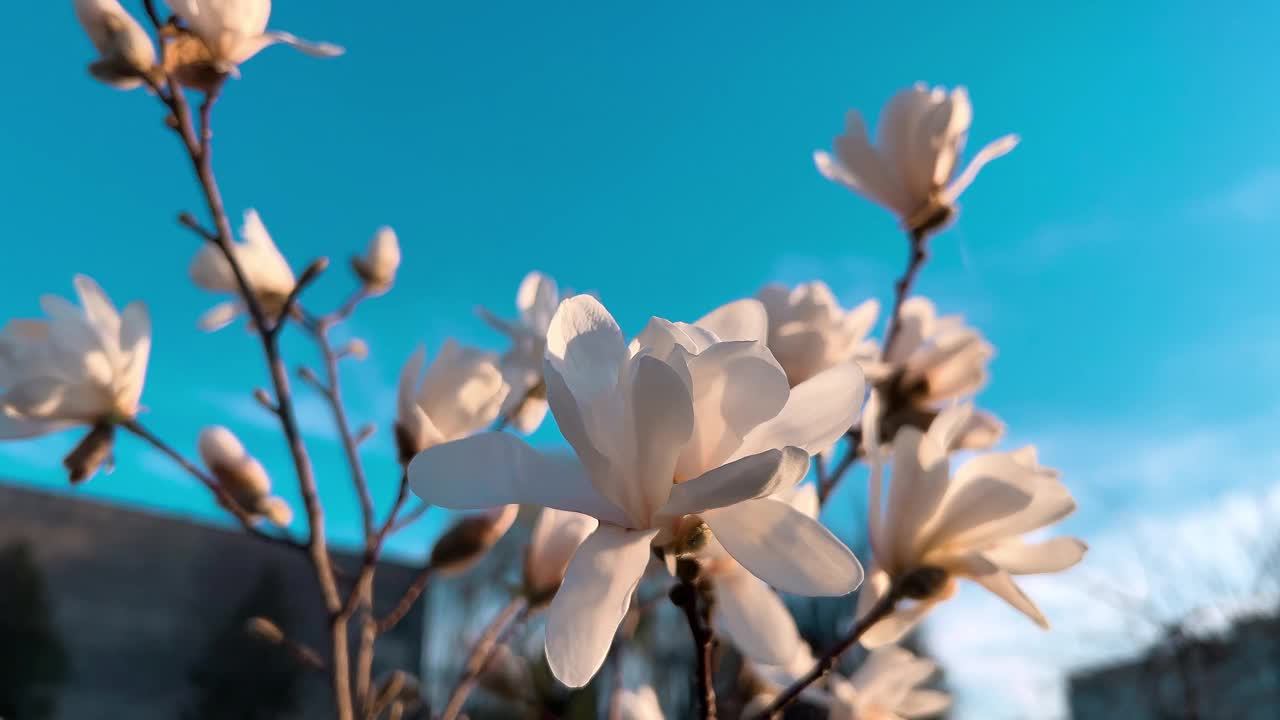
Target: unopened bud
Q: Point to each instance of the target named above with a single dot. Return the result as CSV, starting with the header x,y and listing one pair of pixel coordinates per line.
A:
x,y
188,59
356,348
235,469
127,55
377,267
506,674
366,432
90,454
464,544
264,399
264,630
276,510
308,375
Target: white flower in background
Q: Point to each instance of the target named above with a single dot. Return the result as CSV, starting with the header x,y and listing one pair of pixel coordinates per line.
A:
x,y
126,53
639,704
82,366
677,429
460,394
536,300
912,169
933,362
265,269
377,267
809,331
747,610
886,686
469,539
936,527
235,30
555,539
241,475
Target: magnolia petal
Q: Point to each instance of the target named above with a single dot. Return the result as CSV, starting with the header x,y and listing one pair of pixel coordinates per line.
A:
x,y
585,346
220,316
999,582
818,411
785,548
662,420
916,489
307,47
592,601
738,320
536,299
751,477
493,469
924,703
1020,558
755,619
15,428
997,148
98,308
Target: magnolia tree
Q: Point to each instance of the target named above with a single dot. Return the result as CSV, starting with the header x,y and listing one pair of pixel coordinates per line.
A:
x,y
703,452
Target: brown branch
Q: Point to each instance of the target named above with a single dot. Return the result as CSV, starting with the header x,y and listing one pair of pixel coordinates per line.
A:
x,y
686,596
267,631
224,498
410,596
200,152
482,653
883,607
902,289
410,517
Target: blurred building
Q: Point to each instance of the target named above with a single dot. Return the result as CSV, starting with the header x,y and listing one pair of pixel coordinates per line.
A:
x,y
1231,675
149,612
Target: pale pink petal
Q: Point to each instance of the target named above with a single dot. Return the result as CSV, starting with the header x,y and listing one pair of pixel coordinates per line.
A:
x,y
585,346
1021,558
592,601
748,478
1001,583
662,421
818,411
493,469
537,299
739,320
993,150
755,619
785,548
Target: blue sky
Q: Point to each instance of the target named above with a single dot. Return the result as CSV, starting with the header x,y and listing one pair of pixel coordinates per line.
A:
x,y
1121,259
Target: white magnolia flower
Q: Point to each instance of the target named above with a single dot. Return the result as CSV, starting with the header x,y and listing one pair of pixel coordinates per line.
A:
x,y
886,686
536,300
241,474
82,366
235,30
809,331
639,704
933,362
556,537
936,527
676,429
377,267
459,395
911,170
746,609
265,269
126,53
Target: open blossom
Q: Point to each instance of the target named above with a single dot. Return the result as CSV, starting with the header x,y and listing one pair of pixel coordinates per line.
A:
x,y
886,686
912,168
936,526
809,331
241,474
377,267
82,366
672,431
231,32
459,395
933,362
747,610
265,269
555,539
536,300
126,53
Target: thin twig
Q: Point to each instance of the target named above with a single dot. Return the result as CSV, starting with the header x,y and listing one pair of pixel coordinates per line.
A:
x,y
267,631
410,517
482,653
854,437
685,596
411,595
883,607
902,289
225,499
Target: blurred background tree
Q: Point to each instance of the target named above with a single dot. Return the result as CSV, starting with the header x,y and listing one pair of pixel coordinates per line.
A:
x,y
34,665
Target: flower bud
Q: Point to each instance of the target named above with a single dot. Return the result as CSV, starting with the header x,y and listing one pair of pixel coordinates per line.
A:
x,y
264,630
126,52
90,454
555,539
506,674
377,267
464,544
356,348
241,475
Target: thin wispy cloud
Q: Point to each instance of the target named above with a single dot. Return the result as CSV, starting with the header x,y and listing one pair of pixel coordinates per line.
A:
x,y
1254,199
